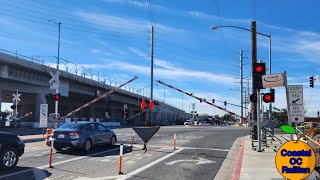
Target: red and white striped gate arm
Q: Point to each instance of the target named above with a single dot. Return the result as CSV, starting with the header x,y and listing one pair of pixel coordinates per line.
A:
x,y
26,115
200,99
98,98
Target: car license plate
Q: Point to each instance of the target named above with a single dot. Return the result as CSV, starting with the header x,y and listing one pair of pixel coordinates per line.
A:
x,y
61,136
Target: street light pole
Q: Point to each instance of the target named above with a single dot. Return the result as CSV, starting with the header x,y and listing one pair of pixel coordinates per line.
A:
x,y
254,60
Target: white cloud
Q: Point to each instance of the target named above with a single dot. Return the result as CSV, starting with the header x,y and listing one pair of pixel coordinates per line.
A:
x,y
124,24
201,15
174,73
95,51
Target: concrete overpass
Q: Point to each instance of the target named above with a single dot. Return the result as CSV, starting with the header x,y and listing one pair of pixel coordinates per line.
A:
x,y
31,77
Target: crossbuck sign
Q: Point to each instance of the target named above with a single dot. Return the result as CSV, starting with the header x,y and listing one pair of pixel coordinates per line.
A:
x,y
16,97
54,80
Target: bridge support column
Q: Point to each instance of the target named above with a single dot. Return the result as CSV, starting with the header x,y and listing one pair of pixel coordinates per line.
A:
x,y
40,99
0,100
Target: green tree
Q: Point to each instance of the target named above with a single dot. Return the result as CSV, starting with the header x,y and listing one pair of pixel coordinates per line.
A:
x,y
280,115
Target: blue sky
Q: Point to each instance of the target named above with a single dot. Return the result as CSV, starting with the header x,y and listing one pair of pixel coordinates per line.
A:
x,y
112,37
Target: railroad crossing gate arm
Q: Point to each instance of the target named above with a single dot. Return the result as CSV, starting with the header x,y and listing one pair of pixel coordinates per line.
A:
x,y
190,94
98,98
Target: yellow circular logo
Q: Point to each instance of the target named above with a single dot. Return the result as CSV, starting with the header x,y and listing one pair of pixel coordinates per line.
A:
x,y
295,160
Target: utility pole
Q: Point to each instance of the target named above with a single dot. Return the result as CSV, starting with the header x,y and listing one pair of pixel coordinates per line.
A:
x,y
254,61
193,108
151,79
245,102
241,83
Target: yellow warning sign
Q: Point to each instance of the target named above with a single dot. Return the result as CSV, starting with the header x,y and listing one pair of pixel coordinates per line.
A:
x,y
295,160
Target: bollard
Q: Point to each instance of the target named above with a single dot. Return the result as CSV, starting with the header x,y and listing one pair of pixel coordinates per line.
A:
x,y
50,161
132,140
174,141
120,160
48,135
310,123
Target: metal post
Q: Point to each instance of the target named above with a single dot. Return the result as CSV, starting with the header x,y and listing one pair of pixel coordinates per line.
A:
x,y
241,83
254,60
58,61
287,95
151,79
258,120
16,104
270,104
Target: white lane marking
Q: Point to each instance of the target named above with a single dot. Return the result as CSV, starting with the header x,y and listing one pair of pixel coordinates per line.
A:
x,y
54,164
39,174
150,164
199,161
170,147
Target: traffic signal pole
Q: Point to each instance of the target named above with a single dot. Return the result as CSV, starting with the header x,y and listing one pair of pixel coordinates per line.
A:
x,y
254,61
259,120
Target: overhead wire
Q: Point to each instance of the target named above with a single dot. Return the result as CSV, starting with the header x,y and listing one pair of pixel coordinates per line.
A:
x,y
66,25
69,18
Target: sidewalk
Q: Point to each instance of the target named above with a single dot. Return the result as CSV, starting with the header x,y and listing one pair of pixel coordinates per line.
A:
x,y
261,165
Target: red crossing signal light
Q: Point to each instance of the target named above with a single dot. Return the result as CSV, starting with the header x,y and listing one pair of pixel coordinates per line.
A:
x,y
57,96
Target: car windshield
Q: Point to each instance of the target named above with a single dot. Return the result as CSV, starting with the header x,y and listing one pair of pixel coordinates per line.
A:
x,y
71,126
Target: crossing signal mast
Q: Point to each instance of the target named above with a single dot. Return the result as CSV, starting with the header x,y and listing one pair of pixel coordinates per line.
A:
x,y
203,100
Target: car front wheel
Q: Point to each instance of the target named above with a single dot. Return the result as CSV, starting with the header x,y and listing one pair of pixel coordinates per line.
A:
x,y
8,158
113,141
87,145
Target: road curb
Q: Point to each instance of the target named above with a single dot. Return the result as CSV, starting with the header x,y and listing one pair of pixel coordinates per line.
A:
x,y
239,162
226,171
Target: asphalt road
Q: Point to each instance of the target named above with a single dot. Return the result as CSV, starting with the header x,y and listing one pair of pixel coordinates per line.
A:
x,y
199,154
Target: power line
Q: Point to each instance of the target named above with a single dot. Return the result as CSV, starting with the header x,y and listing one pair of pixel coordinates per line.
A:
x,y
66,26
71,18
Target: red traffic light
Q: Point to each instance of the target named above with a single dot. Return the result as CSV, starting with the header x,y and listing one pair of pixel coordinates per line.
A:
x,y
268,97
259,69
57,97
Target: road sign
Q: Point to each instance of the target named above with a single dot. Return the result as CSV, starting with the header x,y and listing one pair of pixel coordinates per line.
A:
x,y
272,80
297,113
43,115
295,95
54,86
16,97
55,77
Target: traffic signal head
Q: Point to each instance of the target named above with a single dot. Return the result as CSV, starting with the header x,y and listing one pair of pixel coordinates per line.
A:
x,y
311,82
19,106
225,103
253,98
268,97
56,96
213,101
258,71
12,107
